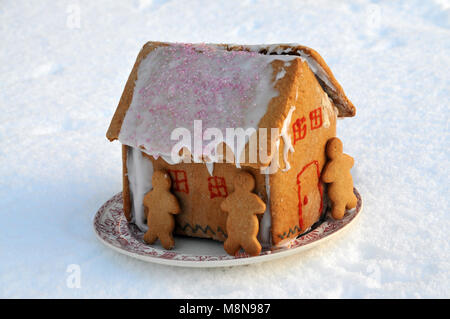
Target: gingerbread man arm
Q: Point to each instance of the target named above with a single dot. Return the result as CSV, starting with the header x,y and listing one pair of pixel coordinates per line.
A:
x,y
259,206
173,206
350,161
329,173
225,205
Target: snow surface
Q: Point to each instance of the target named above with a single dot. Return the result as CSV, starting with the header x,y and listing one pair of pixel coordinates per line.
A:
x,y
61,79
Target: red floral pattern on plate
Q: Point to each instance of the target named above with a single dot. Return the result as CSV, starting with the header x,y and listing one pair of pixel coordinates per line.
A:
x,y
113,229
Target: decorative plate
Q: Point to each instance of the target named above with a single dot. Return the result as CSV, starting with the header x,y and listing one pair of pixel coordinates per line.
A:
x,y
112,229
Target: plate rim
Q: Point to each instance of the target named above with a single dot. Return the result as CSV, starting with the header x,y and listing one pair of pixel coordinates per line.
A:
x,y
241,261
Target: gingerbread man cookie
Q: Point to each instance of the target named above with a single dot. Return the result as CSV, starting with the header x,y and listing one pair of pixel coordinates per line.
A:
x,y
161,206
337,174
242,224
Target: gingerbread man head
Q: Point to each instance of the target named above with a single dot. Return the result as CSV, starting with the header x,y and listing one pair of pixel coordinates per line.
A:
x,y
244,182
161,181
334,148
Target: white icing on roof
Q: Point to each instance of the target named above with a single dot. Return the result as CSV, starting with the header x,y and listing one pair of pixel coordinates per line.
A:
x,y
313,64
181,83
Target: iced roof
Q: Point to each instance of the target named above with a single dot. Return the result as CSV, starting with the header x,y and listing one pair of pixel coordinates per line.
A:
x,y
224,86
181,83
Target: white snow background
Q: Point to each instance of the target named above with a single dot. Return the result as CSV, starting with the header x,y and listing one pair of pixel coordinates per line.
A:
x,y
63,66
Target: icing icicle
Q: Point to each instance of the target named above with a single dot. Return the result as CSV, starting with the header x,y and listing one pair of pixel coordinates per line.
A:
x,y
140,173
210,167
266,221
287,139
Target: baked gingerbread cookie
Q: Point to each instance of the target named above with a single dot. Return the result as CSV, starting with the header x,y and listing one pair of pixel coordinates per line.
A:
x,y
161,205
337,174
242,207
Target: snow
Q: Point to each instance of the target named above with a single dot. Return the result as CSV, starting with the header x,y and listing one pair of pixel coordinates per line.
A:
x,y
63,66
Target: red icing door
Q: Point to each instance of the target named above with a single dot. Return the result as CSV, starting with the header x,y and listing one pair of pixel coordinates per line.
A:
x,y
309,194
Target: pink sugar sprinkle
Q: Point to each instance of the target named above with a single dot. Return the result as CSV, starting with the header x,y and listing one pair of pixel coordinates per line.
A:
x,y
192,82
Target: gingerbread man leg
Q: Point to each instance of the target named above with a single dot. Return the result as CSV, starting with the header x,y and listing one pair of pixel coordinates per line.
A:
x,y
338,210
167,240
150,237
352,202
253,248
231,246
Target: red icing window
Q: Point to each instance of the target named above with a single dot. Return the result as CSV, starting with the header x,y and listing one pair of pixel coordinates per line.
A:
x,y
299,128
316,118
179,181
217,187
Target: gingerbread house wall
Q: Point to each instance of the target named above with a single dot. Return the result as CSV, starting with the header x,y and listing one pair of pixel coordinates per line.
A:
x,y
313,122
199,193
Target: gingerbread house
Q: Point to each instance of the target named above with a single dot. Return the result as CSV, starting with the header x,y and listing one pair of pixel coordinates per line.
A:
x,y
286,87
